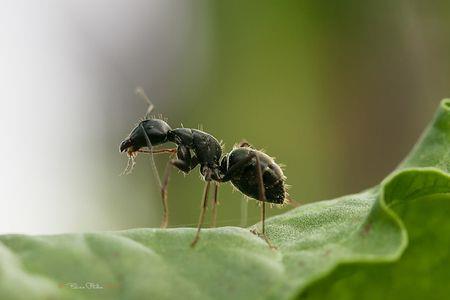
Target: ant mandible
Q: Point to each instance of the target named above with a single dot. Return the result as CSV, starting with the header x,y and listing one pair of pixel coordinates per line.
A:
x,y
251,171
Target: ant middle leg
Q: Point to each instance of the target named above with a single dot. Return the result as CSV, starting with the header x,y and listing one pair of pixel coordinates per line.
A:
x,y
203,208
165,182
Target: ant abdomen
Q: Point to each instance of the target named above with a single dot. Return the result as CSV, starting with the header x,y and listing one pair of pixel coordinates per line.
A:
x,y
245,178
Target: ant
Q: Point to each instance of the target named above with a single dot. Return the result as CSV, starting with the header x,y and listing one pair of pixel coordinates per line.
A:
x,y
251,171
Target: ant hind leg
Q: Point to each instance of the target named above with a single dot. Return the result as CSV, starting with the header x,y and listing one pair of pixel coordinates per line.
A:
x,y
262,198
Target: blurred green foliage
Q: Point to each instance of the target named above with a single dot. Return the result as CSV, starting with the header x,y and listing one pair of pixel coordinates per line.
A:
x,y
323,87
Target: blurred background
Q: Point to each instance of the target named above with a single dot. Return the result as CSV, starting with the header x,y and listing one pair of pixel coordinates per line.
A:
x,y
337,91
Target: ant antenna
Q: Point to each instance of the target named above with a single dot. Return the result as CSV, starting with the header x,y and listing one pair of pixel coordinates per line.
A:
x,y
152,159
139,91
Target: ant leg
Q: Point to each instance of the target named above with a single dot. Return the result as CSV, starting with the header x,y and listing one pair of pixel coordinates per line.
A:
x,y
262,197
244,213
214,206
203,209
262,192
184,163
152,160
158,151
164,186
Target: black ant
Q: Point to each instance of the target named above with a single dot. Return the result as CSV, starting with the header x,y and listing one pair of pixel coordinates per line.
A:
x,y
252,172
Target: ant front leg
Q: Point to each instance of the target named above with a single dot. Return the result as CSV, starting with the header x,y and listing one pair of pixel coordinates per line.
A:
x,y
158,151
214,206
185,163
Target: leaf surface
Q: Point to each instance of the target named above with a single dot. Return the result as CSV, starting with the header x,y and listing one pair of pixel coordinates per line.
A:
x,y
389,241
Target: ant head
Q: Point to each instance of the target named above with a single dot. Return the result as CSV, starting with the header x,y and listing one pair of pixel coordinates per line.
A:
x,y
156,131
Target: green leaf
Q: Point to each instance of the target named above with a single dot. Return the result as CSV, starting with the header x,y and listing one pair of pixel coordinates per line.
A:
x,y
390,241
